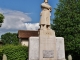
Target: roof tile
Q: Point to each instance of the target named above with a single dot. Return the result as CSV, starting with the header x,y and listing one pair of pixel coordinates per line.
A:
x,y
27,33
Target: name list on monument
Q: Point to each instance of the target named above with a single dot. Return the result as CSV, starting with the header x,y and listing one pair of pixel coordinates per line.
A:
x,y
48,54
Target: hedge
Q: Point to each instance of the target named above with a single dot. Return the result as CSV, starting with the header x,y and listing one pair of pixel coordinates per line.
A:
x,y
15,52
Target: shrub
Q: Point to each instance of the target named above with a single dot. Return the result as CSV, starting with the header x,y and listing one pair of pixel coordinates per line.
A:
x,y
15,52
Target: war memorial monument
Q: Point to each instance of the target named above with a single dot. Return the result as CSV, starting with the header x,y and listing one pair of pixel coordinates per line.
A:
x,y
46,46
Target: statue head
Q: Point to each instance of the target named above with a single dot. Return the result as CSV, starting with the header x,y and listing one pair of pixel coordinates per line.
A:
x,y
46,1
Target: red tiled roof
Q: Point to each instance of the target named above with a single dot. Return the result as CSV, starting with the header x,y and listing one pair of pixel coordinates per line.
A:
x,y
26,33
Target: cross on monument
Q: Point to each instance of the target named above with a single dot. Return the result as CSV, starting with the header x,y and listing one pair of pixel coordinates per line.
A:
x,y
46,1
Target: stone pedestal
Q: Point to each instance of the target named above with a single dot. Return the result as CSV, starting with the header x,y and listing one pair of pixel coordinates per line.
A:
x,y
47,46
60,48
34,49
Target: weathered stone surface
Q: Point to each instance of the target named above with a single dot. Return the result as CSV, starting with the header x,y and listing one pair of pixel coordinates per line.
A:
x,y
48,54
47,38
47,42
69,57
4,57
34,48
47,46
60,48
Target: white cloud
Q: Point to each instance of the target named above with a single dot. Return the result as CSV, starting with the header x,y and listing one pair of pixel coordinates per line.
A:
x,y
15,20
30,26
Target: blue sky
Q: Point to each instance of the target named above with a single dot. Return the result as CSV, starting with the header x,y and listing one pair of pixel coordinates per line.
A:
x,y
22,12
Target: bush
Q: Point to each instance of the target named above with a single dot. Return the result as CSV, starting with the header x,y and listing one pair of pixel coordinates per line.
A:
x,y
1,53
15,52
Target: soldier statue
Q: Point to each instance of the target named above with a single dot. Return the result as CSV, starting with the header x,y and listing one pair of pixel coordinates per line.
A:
x,y
45,15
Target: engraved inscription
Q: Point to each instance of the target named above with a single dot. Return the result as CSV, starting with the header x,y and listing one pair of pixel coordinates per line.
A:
x,y
48,54
49,40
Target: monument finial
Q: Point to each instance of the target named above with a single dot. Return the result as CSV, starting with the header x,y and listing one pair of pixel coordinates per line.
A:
x,y
46,1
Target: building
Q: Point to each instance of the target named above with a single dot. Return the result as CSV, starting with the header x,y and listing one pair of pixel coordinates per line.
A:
x,y
24,35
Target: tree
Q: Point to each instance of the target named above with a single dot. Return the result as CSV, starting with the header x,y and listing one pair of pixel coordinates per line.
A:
x,y
1,19
66,23
9,38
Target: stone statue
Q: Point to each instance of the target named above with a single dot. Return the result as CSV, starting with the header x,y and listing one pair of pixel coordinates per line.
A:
x,y
45,14
46,1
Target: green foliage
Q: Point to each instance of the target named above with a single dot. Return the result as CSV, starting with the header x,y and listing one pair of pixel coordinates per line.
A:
x,y
66,23
1,18
1,52
10,38
16,52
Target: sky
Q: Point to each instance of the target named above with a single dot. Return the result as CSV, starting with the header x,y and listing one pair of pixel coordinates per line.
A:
x,y
22,14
